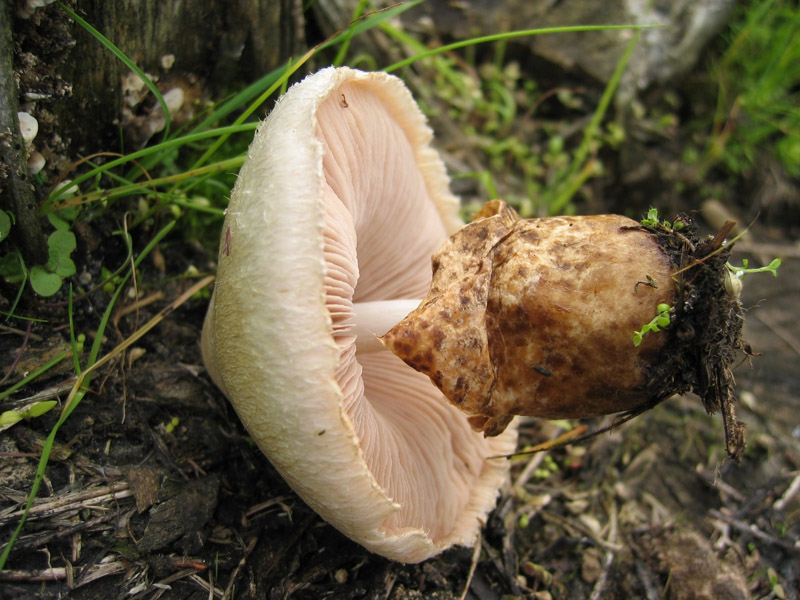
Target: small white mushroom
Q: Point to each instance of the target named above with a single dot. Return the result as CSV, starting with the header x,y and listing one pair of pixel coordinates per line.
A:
x,y
36,162
26,9
28,127
174,100
167,61
327,240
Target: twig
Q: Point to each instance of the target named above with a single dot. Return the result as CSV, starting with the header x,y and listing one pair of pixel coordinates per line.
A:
x,y
790,493
756,532
98,571
611,540
647,579
779,330
213,592
73,502
242,561
140,303
9,329
576,526
47,394
476,555
389,579
19,353
36,540
51,574
533,464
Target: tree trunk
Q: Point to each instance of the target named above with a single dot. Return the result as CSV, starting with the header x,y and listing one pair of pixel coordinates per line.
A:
x,y
16,191
82,95
208,46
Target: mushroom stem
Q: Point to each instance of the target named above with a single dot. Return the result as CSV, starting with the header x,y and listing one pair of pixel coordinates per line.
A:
x,y
373,319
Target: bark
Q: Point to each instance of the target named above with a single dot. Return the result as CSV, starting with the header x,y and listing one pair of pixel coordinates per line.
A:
x,y
16,191
218,46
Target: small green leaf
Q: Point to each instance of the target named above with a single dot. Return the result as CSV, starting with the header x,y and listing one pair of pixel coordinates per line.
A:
x,y
662,319
9,418
11,267
40,408
44,282
57,222
740,272
63,242
5,225
65,268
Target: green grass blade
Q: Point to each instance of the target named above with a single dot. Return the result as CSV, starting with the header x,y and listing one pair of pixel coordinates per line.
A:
x,y
573,180
169,144
33,375
348,34
507,36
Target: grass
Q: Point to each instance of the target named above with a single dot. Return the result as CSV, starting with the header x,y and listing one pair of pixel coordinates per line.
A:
x,y
489,101
757,76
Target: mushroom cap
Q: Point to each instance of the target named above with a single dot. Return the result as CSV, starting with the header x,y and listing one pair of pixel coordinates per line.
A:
x,y
343,200
28,127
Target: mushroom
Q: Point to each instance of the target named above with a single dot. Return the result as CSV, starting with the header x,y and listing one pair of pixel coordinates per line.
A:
x,y
28,127
327,243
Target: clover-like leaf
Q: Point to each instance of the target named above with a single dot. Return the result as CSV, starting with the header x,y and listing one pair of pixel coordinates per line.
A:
x,y
44,282
5,225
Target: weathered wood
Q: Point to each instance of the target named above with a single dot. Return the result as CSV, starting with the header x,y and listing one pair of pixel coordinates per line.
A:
x,y
16,191
211,46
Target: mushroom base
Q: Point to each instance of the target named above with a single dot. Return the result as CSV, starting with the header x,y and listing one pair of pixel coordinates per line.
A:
x,y
537,317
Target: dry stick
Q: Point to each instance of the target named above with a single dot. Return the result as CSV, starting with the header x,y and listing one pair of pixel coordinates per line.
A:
x,y
141,303
756,532
206,585
242,561
573,526
73,502
98,571
790,493
36,540
575,435
609,557
20,352
648,581
51,574
476,554
47,394
533,464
